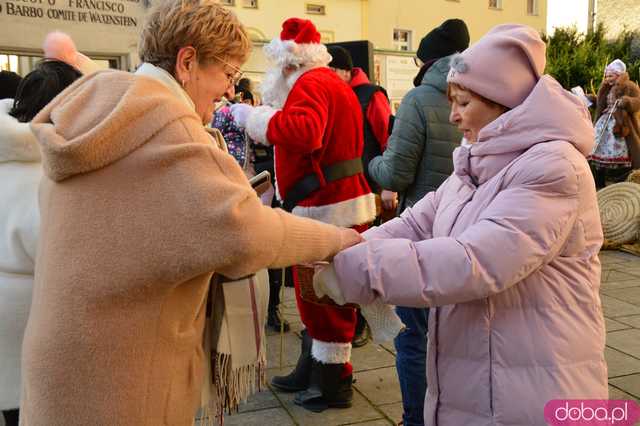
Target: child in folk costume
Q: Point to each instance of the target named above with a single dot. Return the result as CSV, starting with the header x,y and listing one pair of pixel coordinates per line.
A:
x,y
617,132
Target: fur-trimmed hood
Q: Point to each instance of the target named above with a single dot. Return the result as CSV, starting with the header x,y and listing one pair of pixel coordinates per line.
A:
x,y
17,141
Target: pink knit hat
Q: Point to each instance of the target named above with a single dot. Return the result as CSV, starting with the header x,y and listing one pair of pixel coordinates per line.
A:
x,y
60,46
503,66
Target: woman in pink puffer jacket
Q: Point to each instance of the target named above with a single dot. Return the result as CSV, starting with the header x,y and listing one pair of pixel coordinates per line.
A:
x,y
506,250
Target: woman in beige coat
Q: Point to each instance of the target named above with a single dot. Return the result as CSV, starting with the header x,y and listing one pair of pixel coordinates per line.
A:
x,y
138,208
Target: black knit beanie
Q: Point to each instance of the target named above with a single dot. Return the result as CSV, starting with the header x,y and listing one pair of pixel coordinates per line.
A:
x,y
9,82
450,37
341,58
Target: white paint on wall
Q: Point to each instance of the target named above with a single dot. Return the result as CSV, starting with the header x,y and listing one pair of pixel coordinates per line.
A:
x,y
566,13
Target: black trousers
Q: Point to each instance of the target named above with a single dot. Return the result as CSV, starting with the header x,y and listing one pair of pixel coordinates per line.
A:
x,y
604,174
275,283
11,417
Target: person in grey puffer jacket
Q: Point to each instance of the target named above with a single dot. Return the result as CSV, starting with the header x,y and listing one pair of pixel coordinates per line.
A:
x,y
419,153
417,160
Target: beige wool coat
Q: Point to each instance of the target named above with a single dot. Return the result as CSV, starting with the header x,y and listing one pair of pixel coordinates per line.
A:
x,y
138,208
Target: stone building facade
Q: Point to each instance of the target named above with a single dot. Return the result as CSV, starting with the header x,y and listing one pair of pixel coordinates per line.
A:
x,y
106,30
617,15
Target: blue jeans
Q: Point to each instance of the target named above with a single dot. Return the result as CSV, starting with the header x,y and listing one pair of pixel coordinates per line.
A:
x,y
411,363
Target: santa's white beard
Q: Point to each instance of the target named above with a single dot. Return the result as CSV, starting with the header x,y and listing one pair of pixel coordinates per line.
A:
x,y
274,88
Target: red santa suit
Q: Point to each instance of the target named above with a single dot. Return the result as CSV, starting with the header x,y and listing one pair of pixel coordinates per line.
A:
x,y
318,125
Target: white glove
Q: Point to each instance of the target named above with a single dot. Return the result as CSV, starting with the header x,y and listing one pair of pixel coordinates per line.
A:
x,y
383,321
325,283
382,318
241,113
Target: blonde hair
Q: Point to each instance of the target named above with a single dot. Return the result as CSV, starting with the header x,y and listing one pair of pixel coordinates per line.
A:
x,y
214,31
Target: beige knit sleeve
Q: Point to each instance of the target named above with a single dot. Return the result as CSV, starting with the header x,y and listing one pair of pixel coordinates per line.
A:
x,y
227,229
256,236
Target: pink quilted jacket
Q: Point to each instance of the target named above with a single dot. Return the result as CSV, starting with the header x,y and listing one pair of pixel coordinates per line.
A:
x,y
506,252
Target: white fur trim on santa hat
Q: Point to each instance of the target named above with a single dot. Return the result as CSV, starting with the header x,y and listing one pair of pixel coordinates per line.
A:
x,y
331,353
258,123
288,52
356,211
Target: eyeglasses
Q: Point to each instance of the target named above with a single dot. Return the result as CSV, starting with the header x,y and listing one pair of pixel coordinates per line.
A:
x,y
234,77
418,62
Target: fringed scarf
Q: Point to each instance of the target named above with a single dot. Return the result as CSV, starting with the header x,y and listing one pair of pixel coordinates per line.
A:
x,y
234,342
234,339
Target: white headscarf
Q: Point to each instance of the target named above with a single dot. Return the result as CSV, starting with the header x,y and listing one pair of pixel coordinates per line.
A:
x,y
617,66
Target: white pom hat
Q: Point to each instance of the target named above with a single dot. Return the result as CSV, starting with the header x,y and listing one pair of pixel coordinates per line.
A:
x,y
617,67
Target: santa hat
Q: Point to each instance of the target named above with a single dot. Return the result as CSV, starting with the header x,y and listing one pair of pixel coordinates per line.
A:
x,y
58,45
298,44
616,67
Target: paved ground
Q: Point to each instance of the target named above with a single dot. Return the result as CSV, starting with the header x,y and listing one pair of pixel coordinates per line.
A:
x,y
377,394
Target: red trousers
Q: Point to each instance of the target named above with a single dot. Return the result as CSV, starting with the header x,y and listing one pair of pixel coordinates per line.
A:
x,y
327,323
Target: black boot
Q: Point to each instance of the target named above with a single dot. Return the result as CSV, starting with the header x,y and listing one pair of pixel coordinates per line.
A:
x,y
298,379
276,322
327,389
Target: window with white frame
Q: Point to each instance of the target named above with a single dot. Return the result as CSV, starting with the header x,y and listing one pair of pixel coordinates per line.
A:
x,y
9,63
228,2
532,7
402,39
495,4
250,4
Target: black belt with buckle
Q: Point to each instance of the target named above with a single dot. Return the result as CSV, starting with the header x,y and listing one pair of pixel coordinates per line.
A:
x,y
310,183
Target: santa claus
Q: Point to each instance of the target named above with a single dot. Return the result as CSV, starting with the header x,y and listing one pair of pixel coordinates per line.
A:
x,y
314,121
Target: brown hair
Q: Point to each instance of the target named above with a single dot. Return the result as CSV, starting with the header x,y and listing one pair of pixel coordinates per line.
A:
x,y
482,98
214,31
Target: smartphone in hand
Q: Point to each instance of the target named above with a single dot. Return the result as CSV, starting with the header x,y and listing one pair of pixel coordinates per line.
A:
x,y
261,181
